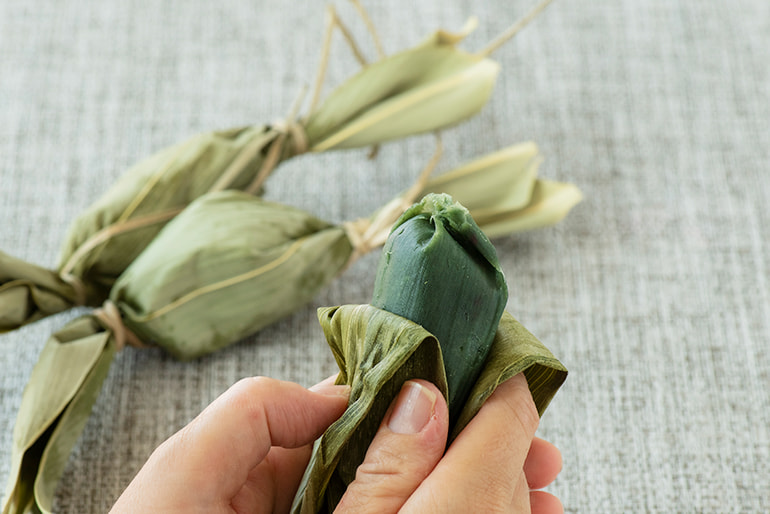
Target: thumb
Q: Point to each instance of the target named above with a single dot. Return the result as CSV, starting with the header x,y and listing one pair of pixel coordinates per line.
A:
x,y
409,443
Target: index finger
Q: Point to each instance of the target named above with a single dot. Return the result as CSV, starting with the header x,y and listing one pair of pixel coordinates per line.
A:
x,y
218,449
487,456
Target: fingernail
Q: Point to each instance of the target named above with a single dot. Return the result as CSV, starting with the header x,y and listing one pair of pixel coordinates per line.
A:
x,y
413,409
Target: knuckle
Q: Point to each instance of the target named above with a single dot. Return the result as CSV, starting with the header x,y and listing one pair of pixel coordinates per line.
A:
x,y
383,462
245,391
255,384
386,477
247,396
369,492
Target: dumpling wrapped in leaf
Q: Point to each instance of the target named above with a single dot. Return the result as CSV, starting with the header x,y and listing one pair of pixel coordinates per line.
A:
x,y
438,272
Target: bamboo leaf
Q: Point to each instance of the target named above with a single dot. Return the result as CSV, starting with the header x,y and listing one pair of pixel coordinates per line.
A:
x,y
376,352
101,242
427,87
549,204
514,350
432,106
29,292
251,263
54,408
500,180
382,80
68,429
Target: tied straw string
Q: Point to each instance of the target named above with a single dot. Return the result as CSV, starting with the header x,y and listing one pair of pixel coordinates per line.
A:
x,y
109,316
514,29
332,22
291,127
370,27
366,234
288,128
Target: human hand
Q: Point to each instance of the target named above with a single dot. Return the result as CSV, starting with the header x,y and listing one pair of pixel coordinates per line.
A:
x,y
494,465
247,451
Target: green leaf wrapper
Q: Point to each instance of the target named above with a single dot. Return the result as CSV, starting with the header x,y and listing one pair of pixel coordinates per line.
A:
x,y
377,352
438,300
248,263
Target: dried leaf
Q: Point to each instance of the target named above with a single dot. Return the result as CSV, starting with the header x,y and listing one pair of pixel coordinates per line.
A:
x,y
432,86
377,352
549,204
54,409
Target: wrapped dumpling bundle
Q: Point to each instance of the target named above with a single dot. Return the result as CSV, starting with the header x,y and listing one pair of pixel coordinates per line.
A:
x,y
438,314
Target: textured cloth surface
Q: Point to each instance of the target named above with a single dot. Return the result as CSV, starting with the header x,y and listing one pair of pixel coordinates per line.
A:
x,y
653,292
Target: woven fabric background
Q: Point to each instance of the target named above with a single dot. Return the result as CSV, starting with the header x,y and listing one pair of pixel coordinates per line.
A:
x,y
654,291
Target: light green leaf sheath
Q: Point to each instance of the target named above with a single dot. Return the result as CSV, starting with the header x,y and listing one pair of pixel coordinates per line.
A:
x,y
56,404
429,87
108,236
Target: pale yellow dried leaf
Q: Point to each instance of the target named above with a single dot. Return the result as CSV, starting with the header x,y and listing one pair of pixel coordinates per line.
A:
x,y
550,203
